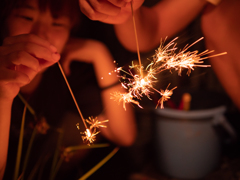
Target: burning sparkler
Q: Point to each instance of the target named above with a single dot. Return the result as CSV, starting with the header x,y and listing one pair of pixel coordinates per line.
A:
x,y
90,133
165,58
165,96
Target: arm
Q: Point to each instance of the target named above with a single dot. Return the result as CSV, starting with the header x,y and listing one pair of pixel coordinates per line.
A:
x,y
221,30
5,116
18,66
121,126
166,18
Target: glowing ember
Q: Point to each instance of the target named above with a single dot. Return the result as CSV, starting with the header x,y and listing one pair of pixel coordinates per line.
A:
x,y
90,137
165,96
90,134
125,98
95,123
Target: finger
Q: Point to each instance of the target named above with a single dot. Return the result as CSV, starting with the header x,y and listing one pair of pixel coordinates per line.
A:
x,y
29,38
95,10
105,7
22,58
90,12
86,8
44,64
119,3
27,71
10,76
41,52
33,49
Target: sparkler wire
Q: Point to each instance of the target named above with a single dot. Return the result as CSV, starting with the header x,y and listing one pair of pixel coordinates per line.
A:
x,y
27,105
135,32
56,154
20,143
74,99
102,162
25,162
72,149
81,147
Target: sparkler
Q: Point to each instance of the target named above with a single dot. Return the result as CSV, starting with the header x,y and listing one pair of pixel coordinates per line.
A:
x,y
165,96
90,133
165,58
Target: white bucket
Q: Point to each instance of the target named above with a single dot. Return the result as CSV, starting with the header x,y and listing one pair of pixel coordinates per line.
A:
x,y
188,146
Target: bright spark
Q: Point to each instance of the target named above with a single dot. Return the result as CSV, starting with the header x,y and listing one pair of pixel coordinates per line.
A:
x,y
94,122
165,96
89,135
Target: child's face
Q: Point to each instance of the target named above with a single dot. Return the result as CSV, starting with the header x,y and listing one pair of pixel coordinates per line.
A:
x,y
29,19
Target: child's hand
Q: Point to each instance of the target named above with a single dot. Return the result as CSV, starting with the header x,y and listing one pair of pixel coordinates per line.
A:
x,y
21,58
109,11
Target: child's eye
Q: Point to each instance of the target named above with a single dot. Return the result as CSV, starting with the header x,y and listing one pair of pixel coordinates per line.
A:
x,y
58,24
28,18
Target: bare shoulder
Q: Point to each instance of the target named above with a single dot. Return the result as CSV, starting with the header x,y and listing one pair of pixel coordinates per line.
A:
x,y
222,19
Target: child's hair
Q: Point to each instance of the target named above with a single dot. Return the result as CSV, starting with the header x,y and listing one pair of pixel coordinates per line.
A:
x,y
69,8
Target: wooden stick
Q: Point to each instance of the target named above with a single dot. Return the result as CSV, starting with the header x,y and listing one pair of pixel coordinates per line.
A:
x,y
74,99
135,32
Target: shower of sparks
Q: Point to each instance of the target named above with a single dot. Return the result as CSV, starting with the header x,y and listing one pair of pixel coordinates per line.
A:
x,y
125,98
89,135
165,96
165,58
95,123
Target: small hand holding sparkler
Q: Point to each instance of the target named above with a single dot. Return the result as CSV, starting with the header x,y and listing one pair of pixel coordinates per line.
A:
x,y
109,11
22,57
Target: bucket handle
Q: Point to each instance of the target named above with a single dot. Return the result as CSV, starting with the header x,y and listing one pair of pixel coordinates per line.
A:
x,y
220,119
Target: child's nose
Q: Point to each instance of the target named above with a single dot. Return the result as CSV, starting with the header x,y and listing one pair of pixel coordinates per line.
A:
x,y
41,30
